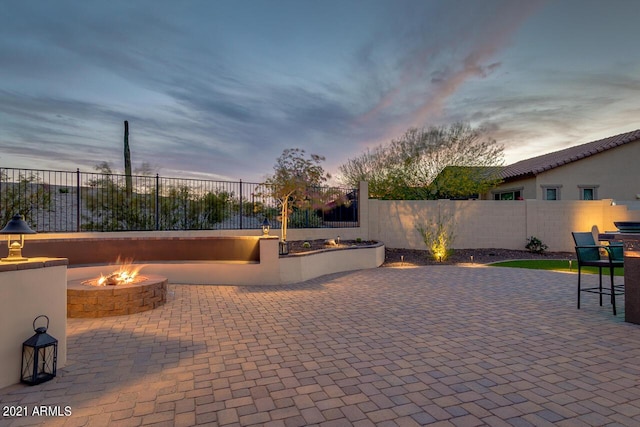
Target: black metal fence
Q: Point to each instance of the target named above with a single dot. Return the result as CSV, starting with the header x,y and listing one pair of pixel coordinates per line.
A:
x,y
64,201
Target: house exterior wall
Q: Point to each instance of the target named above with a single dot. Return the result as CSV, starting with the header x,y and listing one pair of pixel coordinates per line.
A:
x,y
614,174
526,186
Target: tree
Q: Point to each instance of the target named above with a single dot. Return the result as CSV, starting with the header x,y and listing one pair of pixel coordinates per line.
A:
x,y
295,180
180,207
410,167
108,206
27,196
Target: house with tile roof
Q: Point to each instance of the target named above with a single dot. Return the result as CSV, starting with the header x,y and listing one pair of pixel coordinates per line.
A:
x,y
605,169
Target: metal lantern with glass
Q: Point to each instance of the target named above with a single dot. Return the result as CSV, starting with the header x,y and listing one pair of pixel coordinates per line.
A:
x,y
16,226
266,226
39,356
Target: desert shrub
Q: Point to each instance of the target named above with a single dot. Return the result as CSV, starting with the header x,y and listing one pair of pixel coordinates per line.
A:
x,y
535,245
438,237
304,218
28,196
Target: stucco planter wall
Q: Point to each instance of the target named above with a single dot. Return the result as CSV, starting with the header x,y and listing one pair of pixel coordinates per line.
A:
x,y
308,265
27,290
269,269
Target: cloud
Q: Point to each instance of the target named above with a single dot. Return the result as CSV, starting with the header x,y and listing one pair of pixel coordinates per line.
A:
x,y
220,89
558,110
433,68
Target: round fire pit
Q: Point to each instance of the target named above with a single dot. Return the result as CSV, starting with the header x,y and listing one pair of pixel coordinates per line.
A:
x,y
103,301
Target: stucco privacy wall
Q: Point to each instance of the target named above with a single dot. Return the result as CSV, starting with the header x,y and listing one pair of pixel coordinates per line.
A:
x,y
493,224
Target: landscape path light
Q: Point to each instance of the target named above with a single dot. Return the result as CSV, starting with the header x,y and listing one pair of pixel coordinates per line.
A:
x,y
16,226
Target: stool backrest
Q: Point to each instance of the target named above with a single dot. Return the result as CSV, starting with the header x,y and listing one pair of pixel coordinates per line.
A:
x,y
585,239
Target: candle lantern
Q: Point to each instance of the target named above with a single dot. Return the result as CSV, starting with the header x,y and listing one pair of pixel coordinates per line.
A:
x,y
39,355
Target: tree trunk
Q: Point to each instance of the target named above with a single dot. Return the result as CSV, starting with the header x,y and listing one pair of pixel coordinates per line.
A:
x,y
285,217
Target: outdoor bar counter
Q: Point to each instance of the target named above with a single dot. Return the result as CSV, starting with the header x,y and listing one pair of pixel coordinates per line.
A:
x,y
631,243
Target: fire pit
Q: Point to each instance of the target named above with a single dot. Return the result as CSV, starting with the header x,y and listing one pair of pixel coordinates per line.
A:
x,y
119,293
125,274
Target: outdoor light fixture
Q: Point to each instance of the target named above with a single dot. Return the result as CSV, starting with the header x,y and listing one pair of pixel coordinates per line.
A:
x,y
16,225
265,226
39,356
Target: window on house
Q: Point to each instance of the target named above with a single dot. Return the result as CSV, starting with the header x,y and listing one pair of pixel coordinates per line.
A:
x,y
508,195
588,192
551,192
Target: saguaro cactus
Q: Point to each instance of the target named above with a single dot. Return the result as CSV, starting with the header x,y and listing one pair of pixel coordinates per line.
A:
x,y
127,162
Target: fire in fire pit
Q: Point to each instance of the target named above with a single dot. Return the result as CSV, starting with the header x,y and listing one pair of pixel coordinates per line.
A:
x,y
125,273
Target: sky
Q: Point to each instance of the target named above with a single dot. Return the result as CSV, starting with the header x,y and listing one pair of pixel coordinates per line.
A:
x,y
217,89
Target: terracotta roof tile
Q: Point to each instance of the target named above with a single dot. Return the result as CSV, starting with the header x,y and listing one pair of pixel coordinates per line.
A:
x,y
536,165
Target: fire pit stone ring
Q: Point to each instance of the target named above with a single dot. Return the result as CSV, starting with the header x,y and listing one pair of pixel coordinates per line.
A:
x,y
103,301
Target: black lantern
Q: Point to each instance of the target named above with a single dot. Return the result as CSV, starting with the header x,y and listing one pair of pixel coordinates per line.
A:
x,y
265,226
284,247
16,225
39,356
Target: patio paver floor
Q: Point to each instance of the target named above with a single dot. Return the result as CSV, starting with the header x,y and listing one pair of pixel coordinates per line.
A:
x,y
445,345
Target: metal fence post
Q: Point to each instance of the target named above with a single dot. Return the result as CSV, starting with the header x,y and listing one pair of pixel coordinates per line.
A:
x,y
240,210
157,202
78,200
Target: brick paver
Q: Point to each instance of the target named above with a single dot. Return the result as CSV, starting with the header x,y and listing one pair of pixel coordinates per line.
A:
x,y
441,345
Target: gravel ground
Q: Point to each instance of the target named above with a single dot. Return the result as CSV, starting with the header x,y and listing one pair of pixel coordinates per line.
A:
x,y
395,257
463,256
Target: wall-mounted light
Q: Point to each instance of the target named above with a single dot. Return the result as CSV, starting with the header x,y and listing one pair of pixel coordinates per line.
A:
x,y
265,226
16,226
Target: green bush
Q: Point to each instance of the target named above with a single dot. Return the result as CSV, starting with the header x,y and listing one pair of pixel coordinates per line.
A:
x,y
306,218
28,196
535,245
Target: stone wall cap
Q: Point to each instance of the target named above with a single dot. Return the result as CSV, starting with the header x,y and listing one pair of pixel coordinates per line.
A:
x,y
32,263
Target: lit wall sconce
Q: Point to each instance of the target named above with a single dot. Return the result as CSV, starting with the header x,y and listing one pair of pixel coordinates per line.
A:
x,y
265,227
16,226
